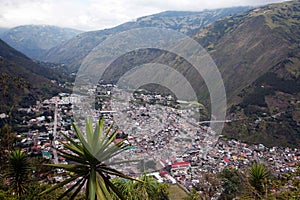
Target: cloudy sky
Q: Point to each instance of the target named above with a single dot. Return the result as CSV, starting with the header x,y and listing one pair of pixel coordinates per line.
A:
x,y
99,14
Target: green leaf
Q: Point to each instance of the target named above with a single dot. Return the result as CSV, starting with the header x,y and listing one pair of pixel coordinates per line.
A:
x,y
101,189
87,164
78,188
114,188
61,184
97,135
89,131
92,185
71,188
80,136
72,157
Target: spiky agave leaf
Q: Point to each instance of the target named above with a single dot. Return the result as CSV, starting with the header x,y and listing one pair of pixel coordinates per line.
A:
x,y
258,174
90,164
18,170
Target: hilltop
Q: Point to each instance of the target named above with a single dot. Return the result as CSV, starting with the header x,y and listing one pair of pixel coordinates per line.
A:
x,y
72,52
33,40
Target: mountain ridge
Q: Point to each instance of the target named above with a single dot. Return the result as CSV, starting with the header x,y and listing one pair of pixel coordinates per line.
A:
x,y
33,40
246,48
72,52
258,57
22,80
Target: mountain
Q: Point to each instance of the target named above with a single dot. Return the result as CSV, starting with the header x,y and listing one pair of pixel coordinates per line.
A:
x,y
269,107
22,80
72,52
258,55
2,30
33,40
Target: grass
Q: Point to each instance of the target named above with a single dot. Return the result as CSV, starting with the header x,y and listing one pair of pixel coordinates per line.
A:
x,y
176,193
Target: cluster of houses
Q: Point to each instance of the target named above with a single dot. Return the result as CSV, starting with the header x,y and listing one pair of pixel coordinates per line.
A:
x,y
168,135
36,130
156,130
189,168
181,148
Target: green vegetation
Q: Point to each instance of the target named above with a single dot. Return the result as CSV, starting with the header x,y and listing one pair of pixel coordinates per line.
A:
x,y
193,195
258,178
255,184
22,81
93,162
146,189
269,107
231,183
260,184
257,97
261,45
176,192
246,48
26,177
18,172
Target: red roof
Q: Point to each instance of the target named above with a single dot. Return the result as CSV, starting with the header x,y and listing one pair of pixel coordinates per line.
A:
x,y
181,164
118,140
226,160
163,173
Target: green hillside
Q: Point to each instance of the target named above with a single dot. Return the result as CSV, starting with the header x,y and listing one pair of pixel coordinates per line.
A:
x,y
23,81
258,55
270,107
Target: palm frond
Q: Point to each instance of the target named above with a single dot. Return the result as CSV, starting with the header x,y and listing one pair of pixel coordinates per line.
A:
x,y
60,185
89,159
18,171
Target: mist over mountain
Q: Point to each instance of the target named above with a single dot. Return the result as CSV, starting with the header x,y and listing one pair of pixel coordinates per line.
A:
x,y
72,52
33,40
2,30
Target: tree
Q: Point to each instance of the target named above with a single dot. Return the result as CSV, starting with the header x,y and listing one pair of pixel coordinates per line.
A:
x,y
7,137
91,162
258,174
7,140
18,171
36,188
146,189
231,182
12,88
149,188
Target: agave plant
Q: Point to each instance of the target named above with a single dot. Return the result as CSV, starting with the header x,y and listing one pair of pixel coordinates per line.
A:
x,y
18,171
258,175
91,164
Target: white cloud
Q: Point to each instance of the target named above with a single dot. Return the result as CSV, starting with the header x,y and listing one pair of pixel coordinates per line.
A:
x,y
96,14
